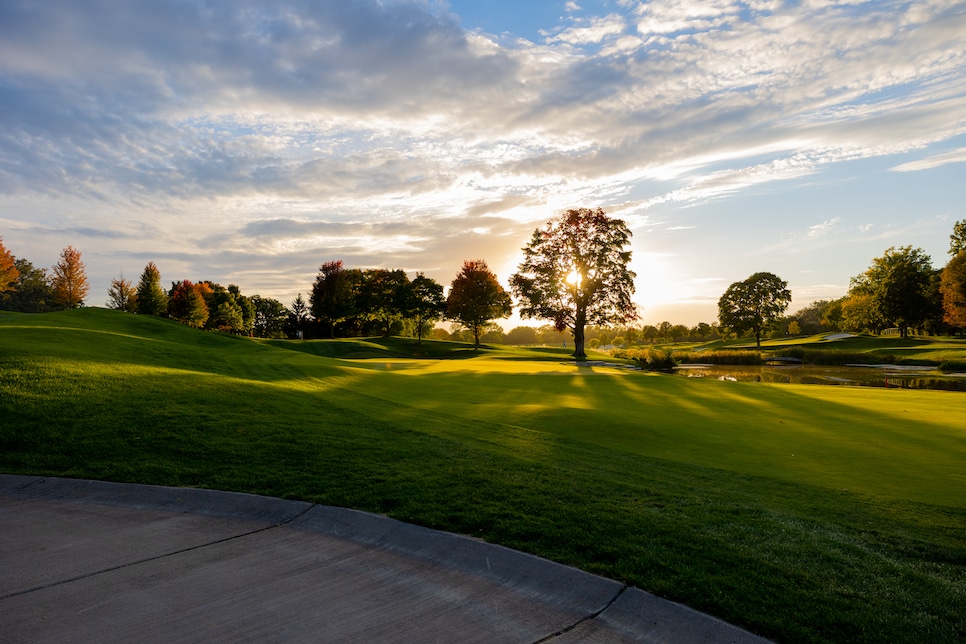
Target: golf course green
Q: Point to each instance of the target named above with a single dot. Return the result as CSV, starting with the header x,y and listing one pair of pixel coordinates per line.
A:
x,y
802,513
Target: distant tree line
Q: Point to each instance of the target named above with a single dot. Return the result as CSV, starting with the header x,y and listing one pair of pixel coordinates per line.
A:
x,y
574,274
28,289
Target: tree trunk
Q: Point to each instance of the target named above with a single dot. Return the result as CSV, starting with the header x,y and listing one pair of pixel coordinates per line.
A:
x,y
580,319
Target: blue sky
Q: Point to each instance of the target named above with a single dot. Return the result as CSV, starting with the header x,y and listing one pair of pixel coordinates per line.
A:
x,y
247,142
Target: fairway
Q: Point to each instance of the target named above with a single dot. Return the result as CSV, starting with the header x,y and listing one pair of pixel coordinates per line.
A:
x,y
899,443
803,513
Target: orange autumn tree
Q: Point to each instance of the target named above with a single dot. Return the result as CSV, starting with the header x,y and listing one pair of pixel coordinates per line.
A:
x,y
187,304
8,269
69,279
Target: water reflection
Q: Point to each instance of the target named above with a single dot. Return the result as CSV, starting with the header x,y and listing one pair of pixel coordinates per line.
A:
x,y
868,376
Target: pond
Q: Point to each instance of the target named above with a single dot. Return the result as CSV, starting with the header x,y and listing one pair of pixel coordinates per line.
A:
x,y
904,377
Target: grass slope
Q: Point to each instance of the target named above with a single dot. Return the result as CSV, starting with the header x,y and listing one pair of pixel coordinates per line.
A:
x,y
801,513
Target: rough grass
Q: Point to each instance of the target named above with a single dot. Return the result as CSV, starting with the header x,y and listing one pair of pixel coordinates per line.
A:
x,y
802,513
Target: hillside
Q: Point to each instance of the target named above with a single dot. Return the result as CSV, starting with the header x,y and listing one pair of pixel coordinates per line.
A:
x,y
714,494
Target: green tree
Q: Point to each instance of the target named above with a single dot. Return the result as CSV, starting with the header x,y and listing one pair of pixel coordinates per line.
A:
x,y
8,269
858,312
425,304
270,317
899,283
69,279
31,292
574,272
334,295
384,296
664,331
521,335
228,310
953,288
122,295
957,241
298,318
476,297
832,314
187,305
246,307
754,304
151,298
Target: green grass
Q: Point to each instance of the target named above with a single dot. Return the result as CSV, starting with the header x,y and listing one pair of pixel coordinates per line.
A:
x,y
803,513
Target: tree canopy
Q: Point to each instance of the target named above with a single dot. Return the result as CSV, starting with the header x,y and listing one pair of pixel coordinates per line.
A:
x,y
333,297
151,298
69,279
575,272
754,304
187,305
957,241
425,304
122,295
953,287
899,284
8,269
476,297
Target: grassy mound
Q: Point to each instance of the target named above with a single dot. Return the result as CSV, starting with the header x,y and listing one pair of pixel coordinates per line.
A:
x,y
801,513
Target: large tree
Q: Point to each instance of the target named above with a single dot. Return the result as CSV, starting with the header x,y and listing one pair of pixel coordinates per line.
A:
x,y
69,279
122,295
899,283
574,272
754,304
333,298
384,296
953,287
476,297
8,269
152,300
425,304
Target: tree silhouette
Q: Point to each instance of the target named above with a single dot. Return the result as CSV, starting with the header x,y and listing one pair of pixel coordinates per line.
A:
x,y
574,272
426,303
333,297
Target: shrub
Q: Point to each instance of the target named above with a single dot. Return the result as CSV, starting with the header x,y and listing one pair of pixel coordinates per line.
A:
x,y
722,356
656,359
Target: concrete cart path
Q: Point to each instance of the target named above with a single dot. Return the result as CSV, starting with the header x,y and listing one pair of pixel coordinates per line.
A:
x,y
89,561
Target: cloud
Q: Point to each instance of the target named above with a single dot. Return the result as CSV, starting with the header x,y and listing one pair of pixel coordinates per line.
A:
x,y
297,129
823,228
591,31
953,156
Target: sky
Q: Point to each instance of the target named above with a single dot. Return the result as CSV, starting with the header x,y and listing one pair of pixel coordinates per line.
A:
x,y
247,142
